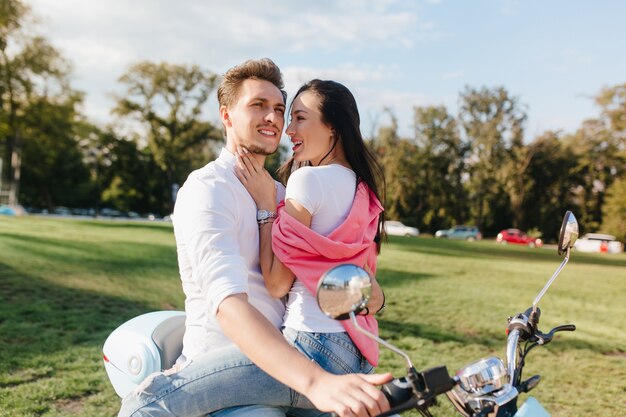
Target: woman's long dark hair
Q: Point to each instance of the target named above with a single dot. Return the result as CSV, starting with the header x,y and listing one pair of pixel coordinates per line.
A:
x,y
339,111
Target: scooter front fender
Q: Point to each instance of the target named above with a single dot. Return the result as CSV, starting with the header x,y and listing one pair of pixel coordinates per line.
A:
x,y
531,408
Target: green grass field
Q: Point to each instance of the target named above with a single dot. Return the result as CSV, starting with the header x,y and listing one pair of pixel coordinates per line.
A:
x,y
66,284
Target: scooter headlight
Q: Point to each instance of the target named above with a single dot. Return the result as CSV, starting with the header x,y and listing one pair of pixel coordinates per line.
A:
x,y
483,377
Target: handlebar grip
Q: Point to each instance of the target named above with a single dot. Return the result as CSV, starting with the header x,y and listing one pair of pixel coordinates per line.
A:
x,y
397,391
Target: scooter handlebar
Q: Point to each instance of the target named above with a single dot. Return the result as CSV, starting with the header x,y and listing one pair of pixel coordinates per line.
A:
x,y
398,391
417,391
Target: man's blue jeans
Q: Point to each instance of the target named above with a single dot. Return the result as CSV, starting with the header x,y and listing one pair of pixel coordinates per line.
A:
x,y
226,378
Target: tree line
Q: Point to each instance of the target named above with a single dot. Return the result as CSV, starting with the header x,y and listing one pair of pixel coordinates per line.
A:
x,y
475,167
52,155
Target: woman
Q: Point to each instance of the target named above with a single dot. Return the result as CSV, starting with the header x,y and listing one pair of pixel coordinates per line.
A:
x,y
331,215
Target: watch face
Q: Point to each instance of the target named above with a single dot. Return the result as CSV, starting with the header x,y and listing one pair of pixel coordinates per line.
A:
x,y
264,215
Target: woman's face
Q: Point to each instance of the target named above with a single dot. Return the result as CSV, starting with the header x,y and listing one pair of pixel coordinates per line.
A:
x,y
311,138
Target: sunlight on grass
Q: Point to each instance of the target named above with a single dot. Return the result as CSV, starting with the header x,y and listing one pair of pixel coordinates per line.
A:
x,y
65,285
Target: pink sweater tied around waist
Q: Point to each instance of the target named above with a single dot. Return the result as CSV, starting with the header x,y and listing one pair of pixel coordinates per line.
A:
x,y
308,254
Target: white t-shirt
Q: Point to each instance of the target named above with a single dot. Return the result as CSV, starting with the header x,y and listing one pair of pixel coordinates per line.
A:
x,y
327,192
217,239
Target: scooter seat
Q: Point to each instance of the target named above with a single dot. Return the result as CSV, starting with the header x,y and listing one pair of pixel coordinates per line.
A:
x,y
141,346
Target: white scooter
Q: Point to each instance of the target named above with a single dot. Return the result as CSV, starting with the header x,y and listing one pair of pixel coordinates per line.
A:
x,y
145,344
484,388
152,342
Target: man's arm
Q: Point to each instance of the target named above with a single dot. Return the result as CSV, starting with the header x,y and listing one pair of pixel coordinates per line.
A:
x,y
277,277
346,395
262,188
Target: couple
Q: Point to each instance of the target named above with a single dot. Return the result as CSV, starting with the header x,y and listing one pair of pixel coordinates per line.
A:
x,y
240,253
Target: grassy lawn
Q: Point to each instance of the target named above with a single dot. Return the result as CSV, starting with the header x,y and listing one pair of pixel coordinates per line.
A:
x,y
66,284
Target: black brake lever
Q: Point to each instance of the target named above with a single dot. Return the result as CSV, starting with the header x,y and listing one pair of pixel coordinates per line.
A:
x,y
564,328
529,384
545,338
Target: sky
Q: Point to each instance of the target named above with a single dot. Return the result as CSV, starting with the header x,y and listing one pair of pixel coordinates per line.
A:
x,y
554,56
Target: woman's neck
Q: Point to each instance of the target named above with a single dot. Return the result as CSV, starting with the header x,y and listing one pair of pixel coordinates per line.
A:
x,y
336,156
336,160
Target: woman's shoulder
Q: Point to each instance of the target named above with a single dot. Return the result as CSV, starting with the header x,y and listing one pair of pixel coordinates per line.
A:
x,y
303,175
323,170
311,176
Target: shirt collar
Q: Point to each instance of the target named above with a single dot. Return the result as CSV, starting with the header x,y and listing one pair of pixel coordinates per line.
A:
x,y
227,157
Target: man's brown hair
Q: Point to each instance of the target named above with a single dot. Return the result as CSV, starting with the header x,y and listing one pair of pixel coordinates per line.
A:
x,y
261,69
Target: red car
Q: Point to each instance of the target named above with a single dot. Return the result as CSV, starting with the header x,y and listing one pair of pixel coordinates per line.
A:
x,y
517,237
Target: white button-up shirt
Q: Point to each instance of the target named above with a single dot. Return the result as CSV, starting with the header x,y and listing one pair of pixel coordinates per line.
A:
x,y
217,240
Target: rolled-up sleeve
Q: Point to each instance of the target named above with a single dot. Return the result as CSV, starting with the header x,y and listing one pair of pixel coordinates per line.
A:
x,y
304,187
206,228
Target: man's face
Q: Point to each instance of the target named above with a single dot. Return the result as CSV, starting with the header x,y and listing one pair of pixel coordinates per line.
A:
x,y
255,121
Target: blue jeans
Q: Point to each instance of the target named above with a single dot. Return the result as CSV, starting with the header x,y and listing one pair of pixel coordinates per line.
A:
x,y
226,380
334,352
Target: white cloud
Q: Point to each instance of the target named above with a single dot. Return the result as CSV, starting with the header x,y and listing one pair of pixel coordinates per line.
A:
x,y
349,74
571,59
508,7
452,75
576,56
102,39
367,85
378,48
215,29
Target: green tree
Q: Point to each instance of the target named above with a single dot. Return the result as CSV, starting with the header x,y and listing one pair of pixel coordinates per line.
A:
x,y
132,180
614,210
600,159
54,173
441,200
167,99
612,102
30,68
398,158
124,176
549,184
95,157
493,123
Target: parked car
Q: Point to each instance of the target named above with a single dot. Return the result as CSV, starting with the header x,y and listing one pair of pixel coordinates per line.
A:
x,y
470,233
599,242
62,211
109,212
396,228
518,237
7,211
15,210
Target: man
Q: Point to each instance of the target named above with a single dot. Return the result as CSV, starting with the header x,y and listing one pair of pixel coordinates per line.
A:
x,y
232,341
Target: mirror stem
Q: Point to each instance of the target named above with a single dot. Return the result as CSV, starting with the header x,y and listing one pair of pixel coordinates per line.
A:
x,y
556,273
381,341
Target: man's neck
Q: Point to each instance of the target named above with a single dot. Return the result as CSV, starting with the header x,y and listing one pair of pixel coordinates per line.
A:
x,y
232,148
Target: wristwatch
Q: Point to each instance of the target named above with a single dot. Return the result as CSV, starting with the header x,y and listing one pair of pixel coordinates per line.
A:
x,y
263,216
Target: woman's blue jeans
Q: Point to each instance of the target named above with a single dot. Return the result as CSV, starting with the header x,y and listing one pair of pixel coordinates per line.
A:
x,y
226,378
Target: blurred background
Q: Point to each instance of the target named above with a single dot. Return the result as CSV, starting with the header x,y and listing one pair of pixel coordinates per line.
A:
x,y
494,114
